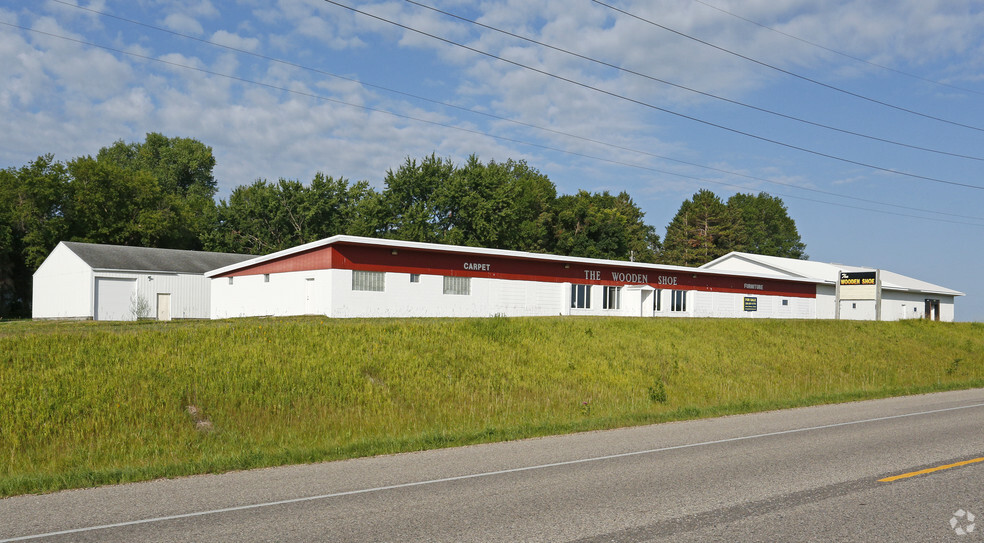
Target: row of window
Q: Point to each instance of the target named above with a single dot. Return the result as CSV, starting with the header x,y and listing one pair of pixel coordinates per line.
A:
x,y
612,298
376,282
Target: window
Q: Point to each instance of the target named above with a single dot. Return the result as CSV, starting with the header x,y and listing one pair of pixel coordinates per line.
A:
x,y
678,301
611,298
414,277
266,277
580,296
367,280
457,285
658,301
785,302
230,280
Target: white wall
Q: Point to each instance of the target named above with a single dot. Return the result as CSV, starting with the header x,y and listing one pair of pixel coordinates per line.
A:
x,y
426,298
189,292
857,310
276,294
62,287
899,305
732,305
826,301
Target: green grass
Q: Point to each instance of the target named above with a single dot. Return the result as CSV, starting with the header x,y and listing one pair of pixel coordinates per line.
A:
x,y
89,403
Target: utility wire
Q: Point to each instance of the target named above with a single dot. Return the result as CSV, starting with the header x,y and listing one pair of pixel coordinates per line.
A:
x,y
658,108
836,52
689,89
462,129
787,72
520,123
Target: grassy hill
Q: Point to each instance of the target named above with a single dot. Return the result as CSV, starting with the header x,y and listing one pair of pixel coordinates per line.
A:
x,y
90,403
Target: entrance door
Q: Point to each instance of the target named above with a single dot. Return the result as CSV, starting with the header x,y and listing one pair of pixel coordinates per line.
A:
x,y
648,304
163,307
932,309
309,301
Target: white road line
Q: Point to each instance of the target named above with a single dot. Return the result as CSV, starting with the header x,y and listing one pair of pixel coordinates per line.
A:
x,y
481,475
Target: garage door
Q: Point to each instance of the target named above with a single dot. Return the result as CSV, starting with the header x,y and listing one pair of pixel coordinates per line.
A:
x,y
113,299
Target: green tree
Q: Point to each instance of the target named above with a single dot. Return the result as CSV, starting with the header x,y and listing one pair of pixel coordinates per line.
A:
x,y
182,169
498,205
599,225
33,200
110,204
265,217
180,165
764,227
410,199
702,230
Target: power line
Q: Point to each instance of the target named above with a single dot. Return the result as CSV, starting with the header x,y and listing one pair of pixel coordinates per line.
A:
x,y
787,72
658,108
476,132
521,123
836,52
462,129
689,89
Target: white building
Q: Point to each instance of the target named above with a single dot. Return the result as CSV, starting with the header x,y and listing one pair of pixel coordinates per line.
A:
x,y
346,276
851,292
111,282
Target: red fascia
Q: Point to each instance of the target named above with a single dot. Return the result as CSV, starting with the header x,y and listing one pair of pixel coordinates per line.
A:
x,y
383,259
319,258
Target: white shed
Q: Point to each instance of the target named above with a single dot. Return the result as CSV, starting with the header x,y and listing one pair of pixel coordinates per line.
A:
x,y
113,282
852,292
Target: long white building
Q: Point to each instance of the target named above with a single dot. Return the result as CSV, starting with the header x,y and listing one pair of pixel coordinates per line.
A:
x,y
346,276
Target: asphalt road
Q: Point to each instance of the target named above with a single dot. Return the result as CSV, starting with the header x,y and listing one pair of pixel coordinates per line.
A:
x,y
811,474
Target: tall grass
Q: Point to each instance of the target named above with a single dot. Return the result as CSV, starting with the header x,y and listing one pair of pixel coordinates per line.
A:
x,y
95,403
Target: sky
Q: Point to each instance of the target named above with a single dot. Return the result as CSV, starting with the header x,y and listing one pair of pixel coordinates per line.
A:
x,y
866,117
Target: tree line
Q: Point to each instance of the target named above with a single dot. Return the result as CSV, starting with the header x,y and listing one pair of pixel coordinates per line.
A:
x,y
161,193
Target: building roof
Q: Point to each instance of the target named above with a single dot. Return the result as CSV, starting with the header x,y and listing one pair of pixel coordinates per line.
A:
x,y
460,249
145,259
821,271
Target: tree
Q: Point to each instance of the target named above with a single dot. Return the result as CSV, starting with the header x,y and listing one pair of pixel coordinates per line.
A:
x,y
182,169
265,217
180,165
110,204
33,199
409,199
600,225
497,205
764,226
702,230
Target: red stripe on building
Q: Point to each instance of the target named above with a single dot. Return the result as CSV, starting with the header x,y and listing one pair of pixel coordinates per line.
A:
x,y
430,262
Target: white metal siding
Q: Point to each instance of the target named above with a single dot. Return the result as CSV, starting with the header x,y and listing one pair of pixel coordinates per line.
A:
x,y
189,293
62,287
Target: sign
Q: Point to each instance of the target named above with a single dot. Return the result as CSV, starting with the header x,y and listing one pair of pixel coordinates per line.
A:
x,y
858,285
858,278
751,303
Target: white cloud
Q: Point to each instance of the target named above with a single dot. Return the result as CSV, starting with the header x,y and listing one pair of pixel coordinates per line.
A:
x,y
237,42
180,22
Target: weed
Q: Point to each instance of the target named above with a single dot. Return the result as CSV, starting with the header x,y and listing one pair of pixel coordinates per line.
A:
x,y
657,392
86,403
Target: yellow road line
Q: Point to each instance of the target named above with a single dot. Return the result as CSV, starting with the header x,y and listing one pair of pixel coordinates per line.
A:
x,y
929,470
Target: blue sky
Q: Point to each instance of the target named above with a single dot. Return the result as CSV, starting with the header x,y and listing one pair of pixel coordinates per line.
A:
x,y
294,87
